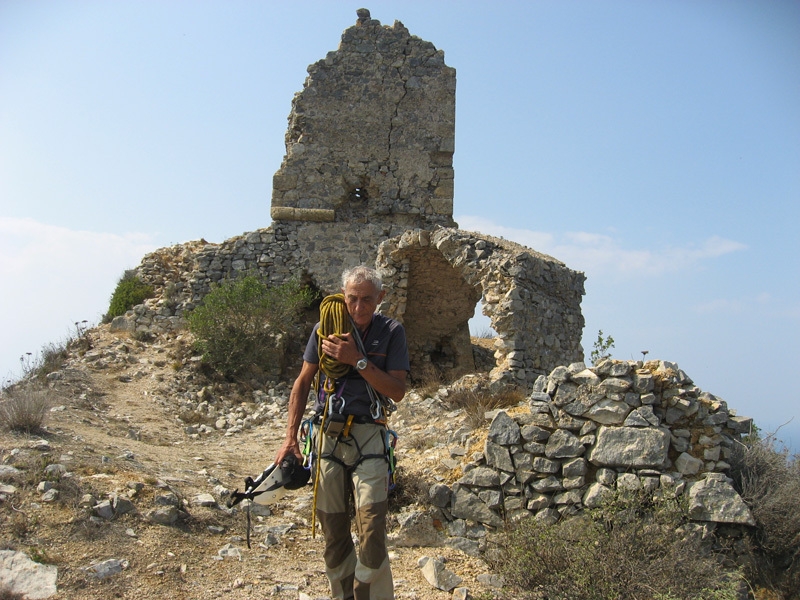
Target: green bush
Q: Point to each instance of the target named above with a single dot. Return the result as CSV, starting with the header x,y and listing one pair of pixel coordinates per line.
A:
x,y
239,323
632,548
130,291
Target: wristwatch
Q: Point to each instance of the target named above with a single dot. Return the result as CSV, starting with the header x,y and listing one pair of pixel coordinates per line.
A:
x,y
361,364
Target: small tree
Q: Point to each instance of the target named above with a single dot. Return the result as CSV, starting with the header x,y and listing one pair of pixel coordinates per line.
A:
x,y
602,347
240,321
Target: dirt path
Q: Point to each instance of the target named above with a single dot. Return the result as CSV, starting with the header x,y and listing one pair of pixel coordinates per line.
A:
x,y
116,428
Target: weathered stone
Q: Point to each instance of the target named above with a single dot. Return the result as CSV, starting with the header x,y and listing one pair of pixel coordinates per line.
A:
x,y
616,384
574,468
415,529
204,499
439,494
533,433
714,499
7,471
107,568
438,575
585,377
563,444
548,484
504,430
498,456
629,447
104,510
467,505
21,576
164,516
546,465
688,464
122,505
596,494
642,417
608,412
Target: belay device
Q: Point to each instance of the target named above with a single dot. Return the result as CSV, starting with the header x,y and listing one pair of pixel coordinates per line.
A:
x,y
271,485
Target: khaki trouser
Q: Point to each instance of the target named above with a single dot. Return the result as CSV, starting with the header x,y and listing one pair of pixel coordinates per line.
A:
x,y
366,575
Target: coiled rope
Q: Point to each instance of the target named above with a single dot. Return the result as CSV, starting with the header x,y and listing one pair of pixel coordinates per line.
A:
x,y
333,320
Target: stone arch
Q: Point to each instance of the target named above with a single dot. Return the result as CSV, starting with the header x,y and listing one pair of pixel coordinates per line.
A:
x,y
439,304
435,279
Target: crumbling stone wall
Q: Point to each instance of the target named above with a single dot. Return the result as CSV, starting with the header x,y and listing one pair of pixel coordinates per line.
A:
x,y
371,136
369,148
368,161
435,278
587,433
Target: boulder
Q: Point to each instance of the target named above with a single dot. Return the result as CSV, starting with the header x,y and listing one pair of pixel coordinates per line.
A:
x,y
714,499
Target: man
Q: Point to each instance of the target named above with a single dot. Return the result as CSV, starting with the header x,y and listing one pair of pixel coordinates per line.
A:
x,y
353,461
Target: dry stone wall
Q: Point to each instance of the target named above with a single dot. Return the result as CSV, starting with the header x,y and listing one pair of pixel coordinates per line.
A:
x,y
587,433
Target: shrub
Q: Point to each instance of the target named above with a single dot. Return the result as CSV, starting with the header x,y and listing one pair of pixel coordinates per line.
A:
x,y
769,482
130,291
239,323
631,548
602,347
24,409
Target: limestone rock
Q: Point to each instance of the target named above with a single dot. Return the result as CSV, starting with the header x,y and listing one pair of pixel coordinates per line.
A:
x,y
629,447
714,499
504,430
467,505
20,575
438,575
563,444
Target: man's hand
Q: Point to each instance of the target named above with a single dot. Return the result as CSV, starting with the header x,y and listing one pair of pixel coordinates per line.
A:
x,y
343,348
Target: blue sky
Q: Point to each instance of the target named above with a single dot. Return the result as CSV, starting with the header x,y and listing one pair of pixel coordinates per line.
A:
x,y
653,145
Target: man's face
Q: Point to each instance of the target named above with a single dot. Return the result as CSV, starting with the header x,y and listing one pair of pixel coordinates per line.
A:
x,y
362,300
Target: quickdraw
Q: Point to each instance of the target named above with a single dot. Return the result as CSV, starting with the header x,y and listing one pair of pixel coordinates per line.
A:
x,y
391,442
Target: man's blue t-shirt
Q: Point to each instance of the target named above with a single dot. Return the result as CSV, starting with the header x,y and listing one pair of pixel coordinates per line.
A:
x,y
385,343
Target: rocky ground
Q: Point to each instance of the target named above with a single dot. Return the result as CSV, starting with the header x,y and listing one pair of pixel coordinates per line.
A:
x,y
148,453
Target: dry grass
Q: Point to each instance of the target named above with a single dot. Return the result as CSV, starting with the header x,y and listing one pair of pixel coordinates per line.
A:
x,y
25,409
769,482
476,403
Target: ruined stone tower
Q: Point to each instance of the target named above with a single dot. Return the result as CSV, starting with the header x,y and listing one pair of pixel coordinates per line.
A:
x,y
371,135
368,179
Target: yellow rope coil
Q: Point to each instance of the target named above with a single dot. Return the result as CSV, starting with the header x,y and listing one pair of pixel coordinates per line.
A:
x,y
333,320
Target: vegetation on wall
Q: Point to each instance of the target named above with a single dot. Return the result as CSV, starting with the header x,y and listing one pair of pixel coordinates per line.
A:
x,y
601,348
129,292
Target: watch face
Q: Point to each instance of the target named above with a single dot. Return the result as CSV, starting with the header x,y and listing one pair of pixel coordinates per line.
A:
x,y
361,364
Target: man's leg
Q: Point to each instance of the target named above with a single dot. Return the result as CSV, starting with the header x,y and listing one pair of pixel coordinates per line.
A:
x,y
333,494
373,576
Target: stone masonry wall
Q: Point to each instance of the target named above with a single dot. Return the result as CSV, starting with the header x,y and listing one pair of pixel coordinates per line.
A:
x,y
372,134
435,278
588,432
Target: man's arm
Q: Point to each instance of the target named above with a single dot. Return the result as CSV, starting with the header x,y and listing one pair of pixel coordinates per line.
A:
x,y
345,350
298,398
